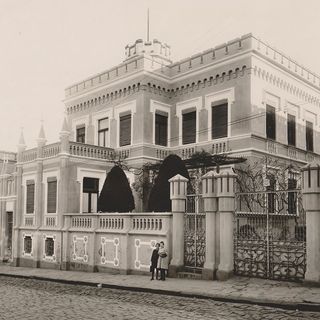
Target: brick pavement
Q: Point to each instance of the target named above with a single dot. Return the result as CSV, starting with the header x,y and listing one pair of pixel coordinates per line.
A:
x,y
34,299
236,289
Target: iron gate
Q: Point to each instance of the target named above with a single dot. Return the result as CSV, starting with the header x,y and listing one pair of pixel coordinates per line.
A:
x,y
270,235
194,232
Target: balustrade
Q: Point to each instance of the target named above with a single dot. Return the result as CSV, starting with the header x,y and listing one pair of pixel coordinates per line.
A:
x,y
28,221
51,150
50,221
118,222
90,151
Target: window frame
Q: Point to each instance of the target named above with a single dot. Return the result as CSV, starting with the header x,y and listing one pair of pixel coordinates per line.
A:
x,y
294,130
156,106
83,135
216,98
34,196
90,193
183,129
52,180
311,143
196,104
274,127
125,108
214,105
105,131
158,131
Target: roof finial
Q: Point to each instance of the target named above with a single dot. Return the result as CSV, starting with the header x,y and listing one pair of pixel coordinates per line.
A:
x,y
148,26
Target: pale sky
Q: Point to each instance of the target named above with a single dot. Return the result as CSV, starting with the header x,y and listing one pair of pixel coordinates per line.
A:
x,y
47,45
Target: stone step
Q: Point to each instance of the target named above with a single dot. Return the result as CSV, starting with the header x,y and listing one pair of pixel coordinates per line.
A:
x,y
189,275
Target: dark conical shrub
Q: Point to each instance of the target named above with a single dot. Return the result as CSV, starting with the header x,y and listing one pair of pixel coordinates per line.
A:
x,y
116,194
159,199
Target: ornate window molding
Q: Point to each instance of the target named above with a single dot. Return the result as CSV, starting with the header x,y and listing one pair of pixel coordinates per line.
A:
x,y
48,174
77,122
45,252
138,263
160,106
223,95
196,104
130,107
105,256
95,119
90,173
80,249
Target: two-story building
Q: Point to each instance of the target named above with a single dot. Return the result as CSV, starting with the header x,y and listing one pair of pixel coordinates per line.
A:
x,y
241,98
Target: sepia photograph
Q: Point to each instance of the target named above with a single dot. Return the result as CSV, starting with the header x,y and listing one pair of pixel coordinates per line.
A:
x,y
159,159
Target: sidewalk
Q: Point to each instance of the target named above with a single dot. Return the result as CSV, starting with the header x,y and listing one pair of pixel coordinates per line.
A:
x,y
238,289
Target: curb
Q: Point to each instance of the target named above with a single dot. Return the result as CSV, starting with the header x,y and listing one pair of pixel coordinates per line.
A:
x,y
301,306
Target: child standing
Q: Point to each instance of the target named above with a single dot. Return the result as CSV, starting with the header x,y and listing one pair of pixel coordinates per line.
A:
x,y
154,261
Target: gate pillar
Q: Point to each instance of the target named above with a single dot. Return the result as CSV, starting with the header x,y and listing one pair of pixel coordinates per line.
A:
x,y
209,196
311,203
226,206
178,195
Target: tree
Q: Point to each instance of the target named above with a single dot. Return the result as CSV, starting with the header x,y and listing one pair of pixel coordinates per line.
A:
x,y
116,194
159,199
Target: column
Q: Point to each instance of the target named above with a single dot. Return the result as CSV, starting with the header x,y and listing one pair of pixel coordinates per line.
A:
x,y
210,208
178,196
225,193
37,241
311,203
18,214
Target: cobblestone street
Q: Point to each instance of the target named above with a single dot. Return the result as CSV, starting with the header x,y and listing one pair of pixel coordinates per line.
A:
x,y
34,299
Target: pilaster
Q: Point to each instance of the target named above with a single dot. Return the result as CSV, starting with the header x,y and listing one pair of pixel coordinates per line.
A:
x,y
311,203
209,194
178,196
225,193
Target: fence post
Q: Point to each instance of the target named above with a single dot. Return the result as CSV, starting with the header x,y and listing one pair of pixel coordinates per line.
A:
x,y
225,194
209,190
311,203
178,192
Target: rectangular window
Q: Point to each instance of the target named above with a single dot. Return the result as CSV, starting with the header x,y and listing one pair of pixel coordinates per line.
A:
x,y
309,136
219,121
27,246
103,132
189,127
125,130
291,130
30,196
271,122
161,130
81,134
49,247
90,195
52,195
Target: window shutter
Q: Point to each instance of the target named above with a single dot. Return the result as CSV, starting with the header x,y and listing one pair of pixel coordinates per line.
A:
x,y
52,196
161,130
125,130
219,121
189,127
291,127
271,122
30,196
309,136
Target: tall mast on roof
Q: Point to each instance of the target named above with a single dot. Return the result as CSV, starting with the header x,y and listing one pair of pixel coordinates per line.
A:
x,y
148,26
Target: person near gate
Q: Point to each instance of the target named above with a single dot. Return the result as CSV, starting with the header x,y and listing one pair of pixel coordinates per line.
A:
x,y
163,262
154,261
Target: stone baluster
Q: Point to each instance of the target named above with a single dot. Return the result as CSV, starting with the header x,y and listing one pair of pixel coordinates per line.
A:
x,y
311,203
178,196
